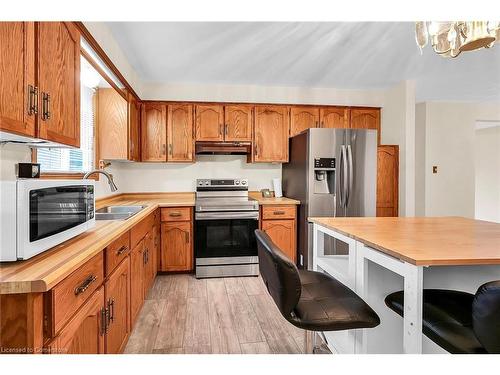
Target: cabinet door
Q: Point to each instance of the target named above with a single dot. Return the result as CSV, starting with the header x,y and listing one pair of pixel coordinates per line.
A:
x,y
334,117
84,334
112,126
134,117
209,123
366,118
176,246
17,67
271,134
136,280
283,234
59,82
387,180
238,123
180,132
154,132
302,118
117,291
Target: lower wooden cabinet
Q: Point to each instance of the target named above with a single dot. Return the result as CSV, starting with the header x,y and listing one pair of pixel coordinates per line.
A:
x,y
84,334
149,262
136,280
387,180
280,223
176,246
117,291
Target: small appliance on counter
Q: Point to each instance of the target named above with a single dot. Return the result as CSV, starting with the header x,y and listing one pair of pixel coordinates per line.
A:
x,y
225,222
37,215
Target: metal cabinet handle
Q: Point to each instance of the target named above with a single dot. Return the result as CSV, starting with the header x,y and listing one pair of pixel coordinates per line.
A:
x,y
111,309
175,214
104,321
226,127
32,100
85,285
45,106
279,212
121,250
256,149
221,132
170,148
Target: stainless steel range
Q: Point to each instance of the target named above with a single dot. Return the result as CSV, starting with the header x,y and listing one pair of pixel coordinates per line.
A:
x,y
225,221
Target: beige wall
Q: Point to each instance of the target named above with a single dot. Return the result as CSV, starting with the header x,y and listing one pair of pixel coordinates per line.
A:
x,y
487,173
449,145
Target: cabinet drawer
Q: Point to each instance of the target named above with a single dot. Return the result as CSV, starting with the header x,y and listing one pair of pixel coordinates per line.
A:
x,y
278,212
73,291
176,214
138,232
116,252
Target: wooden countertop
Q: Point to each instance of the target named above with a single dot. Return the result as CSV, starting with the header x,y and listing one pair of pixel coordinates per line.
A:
x,y
272,201
424,241
44,271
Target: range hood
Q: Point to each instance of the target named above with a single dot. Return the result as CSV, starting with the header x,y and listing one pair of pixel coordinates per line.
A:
x,y
223,148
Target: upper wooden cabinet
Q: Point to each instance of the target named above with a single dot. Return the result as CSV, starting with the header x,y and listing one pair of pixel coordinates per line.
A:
x,y
154,132
112,128
134,129
302,118
209,123
238,123
387,180
334,117
17,83
271,133
180,133
58,56
366,118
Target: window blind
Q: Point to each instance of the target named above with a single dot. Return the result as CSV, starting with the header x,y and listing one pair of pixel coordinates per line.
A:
x,y
74,160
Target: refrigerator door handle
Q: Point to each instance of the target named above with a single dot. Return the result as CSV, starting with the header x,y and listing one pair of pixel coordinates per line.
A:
x,y
351,174
343,179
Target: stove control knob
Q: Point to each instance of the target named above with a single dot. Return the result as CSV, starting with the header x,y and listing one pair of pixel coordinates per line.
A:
x,y
237,182
243,182
206,183
200,182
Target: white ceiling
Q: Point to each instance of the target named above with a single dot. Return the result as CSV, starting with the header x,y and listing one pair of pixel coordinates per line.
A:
x,y
351,55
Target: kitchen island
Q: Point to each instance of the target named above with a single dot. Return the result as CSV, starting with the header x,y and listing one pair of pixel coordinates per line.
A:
x,y
389,254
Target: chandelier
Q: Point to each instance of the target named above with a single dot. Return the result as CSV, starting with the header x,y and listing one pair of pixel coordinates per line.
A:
x,y
450,38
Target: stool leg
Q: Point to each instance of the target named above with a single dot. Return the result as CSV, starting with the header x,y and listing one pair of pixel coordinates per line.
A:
x,y
314,340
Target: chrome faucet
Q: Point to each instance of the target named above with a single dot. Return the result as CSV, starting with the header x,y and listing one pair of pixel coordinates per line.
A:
x,y
111,183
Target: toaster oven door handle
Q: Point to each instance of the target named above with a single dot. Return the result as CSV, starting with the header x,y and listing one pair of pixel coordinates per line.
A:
x,y
252,215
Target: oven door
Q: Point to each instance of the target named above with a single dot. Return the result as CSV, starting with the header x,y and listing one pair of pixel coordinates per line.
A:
x,y
226,237
53,213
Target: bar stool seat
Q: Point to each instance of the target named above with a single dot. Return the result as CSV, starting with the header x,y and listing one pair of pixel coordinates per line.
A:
x,y
459,322
326,304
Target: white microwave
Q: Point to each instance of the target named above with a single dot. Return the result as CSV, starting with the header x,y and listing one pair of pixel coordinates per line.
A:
x,y
38,214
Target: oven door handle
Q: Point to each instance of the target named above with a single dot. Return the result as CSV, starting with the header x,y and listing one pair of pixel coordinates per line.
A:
x,y
253,215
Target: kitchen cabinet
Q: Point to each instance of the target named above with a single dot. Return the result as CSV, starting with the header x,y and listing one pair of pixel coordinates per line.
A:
x,y
157,238
180,133
209,122
136,280
303,118
84,334
154,132
271,131
134,124
238,123
17,86
112,125
58,57
149,262
176,239
334,117
280,223
366,118
117,290
387,180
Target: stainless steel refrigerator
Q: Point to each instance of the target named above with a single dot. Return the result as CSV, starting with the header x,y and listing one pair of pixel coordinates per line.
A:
x,y
332,172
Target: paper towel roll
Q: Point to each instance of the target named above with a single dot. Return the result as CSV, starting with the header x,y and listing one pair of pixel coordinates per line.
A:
x,y
277,187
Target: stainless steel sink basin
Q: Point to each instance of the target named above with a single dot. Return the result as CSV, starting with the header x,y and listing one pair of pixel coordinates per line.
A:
x,y
117,212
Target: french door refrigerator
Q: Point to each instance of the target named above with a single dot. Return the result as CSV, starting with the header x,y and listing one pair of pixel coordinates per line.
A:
x,y
332,172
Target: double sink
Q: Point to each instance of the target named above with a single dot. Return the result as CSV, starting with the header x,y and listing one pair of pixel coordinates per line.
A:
x,y
117,212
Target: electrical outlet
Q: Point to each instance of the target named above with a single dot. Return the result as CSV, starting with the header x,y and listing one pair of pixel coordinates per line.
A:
x,y
434,169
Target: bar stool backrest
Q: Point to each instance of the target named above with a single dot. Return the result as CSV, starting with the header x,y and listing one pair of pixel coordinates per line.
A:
x,y
486,316
279,273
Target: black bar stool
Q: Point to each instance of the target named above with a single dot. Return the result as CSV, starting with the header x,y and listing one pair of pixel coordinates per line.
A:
x,y
310,300
459,322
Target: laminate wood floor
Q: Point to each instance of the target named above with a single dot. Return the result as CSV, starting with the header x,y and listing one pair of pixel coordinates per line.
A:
x,y
182,314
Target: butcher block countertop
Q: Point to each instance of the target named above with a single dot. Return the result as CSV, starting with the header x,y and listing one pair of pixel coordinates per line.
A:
x,y
424,241
44,271
272,201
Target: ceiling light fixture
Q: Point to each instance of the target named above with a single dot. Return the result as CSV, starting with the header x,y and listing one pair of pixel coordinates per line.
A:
x,y
450,38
